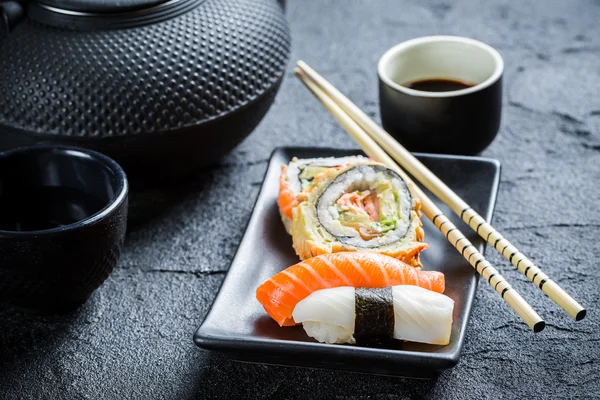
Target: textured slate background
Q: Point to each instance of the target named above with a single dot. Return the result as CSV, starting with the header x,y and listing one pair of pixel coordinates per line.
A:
x,y
133,337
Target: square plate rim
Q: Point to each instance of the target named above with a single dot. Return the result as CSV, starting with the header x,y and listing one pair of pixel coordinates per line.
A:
x,y
203,338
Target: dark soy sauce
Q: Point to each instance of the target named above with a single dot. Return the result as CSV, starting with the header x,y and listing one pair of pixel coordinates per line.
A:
x,y
438,85
45,208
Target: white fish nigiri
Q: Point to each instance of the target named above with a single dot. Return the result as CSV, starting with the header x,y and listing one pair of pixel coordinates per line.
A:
x,y
420,315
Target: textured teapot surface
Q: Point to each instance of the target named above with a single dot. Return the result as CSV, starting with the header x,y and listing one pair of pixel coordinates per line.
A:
x,y
181,72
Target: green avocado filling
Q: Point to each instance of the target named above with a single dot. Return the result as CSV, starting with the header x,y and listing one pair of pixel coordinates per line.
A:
x,y
309,173
371,212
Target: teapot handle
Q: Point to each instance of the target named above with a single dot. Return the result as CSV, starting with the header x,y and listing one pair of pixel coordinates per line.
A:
x,y
11,13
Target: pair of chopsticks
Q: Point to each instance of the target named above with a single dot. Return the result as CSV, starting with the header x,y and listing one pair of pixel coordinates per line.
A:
x,y
370,136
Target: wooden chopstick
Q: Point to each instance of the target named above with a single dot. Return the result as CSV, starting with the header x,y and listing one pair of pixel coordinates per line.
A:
x,y
449,197
452,234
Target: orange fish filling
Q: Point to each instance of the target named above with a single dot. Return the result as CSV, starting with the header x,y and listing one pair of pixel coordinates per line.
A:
x,y
361,202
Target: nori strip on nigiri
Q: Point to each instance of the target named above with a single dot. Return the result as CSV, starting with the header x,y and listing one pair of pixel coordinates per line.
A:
x,y
374,315
420,315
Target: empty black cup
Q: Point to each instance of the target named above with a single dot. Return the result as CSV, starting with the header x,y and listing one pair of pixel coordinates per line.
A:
x,y
63,216
461,121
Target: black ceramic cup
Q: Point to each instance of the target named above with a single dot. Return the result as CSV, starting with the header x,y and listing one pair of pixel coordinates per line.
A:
x,y
63,216
461,121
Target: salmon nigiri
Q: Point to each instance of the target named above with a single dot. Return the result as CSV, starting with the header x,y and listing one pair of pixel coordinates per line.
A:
x,y
280,294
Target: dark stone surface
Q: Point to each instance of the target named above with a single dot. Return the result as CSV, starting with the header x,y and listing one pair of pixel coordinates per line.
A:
x,y
133,339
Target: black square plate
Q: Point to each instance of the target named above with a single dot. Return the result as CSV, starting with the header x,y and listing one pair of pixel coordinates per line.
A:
x,y
238,326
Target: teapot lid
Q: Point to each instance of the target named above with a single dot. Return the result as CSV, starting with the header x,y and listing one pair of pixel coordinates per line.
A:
x,y
100,6
86,15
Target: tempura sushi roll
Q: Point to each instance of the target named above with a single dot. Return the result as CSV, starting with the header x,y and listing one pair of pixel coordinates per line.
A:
x,y
298,178
365,207
348,315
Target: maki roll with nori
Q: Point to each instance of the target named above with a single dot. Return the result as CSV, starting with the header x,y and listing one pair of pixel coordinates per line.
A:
x,y
300,175
358,315
365,207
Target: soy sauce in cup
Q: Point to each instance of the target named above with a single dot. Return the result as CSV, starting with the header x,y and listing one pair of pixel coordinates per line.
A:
x,y
441,94
46,207
437,85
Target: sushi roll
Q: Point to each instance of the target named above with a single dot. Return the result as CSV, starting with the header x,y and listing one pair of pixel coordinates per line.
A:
x,y
280,293
298,177
365,207
359,315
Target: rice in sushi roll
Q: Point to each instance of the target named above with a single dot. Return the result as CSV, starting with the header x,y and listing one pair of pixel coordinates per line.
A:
x,y
300,175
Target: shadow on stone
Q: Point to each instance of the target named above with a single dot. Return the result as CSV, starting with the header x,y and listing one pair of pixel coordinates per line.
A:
x,y
147,202
224,378
28,337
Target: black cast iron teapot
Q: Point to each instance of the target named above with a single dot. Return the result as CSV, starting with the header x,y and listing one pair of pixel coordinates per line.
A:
x,y
168,83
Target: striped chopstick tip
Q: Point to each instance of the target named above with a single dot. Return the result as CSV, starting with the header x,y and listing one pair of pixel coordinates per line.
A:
x,y
539,326
364,130
581,315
